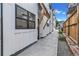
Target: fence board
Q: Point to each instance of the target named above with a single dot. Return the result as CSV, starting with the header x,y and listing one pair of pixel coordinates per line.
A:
x,y
71,26
73,19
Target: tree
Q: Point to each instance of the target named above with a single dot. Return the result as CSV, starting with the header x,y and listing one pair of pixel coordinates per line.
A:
x,y
57,23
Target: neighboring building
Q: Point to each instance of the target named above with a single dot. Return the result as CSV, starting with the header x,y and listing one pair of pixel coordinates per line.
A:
x,y
46,20
53,19
60,25
22,23
71,7
43,18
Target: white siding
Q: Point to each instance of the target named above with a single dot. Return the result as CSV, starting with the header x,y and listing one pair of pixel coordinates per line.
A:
x,y
47,29
16,39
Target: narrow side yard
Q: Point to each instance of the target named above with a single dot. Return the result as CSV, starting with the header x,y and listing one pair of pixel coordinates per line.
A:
x,y
44,47
63,49
0,47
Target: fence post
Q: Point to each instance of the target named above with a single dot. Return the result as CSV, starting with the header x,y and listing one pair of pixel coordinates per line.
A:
x,y
69,27
78,22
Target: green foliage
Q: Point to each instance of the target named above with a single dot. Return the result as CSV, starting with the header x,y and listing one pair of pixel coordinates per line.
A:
x,y
61,37
60,31
57,23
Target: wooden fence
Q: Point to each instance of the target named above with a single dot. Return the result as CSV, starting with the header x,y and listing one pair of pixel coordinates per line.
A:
x,y
71,26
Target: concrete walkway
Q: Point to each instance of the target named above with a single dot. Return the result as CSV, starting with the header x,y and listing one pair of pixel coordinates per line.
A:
x,y
0,47
44,47
63,49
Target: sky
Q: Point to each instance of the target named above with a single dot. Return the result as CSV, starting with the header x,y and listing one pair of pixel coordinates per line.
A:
x,y
60,11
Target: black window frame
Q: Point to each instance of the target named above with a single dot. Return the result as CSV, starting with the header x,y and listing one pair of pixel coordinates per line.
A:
x,y
28,18
1,29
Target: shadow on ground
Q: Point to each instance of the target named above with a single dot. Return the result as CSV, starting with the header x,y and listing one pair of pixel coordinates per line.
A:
x,y
63,49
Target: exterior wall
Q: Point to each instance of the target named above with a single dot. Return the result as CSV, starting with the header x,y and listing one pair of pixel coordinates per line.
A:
x,y
54,24
47,7
53,20
47,29
42,34
17,39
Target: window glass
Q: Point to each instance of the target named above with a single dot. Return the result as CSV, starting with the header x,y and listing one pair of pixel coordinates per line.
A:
x,y
21,13
31,17
21,24
31,24
24,19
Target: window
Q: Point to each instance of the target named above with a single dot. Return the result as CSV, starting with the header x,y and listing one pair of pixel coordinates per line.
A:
x,y
24,18
31,24
21,23
21,13
31,20
31,17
